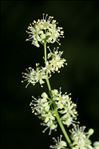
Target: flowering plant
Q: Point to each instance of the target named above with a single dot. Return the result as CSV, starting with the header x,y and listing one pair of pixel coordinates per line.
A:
x,y
55,108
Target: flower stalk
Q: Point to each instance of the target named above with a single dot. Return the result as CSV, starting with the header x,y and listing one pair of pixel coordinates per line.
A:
x,y
45,59
62,128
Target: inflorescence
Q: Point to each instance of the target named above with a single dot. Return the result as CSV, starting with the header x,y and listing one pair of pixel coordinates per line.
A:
x,y
49,105
53,64
44,30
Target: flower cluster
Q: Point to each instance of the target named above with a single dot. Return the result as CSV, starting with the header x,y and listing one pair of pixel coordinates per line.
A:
x,y
42,108
54,63
80,139
34,76
65,106
44,30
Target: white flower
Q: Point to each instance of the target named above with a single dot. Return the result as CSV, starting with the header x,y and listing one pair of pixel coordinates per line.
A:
x,y
41,107
55,62
44,30
67,119
59,143
34,76
65,106
49,121
80,138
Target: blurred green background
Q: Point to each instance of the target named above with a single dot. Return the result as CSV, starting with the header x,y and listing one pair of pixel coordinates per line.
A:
x,y
80,20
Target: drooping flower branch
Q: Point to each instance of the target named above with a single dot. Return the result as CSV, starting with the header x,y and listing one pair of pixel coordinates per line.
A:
x,y
54,108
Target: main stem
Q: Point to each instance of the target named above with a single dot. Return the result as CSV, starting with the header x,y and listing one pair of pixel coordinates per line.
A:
x,y
55,108
45,59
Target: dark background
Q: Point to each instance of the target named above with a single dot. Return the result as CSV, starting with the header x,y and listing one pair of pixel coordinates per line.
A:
x,y
80,20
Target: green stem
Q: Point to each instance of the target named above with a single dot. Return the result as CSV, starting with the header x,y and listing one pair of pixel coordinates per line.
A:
x,y
45,53
45,59
62,127
55,108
